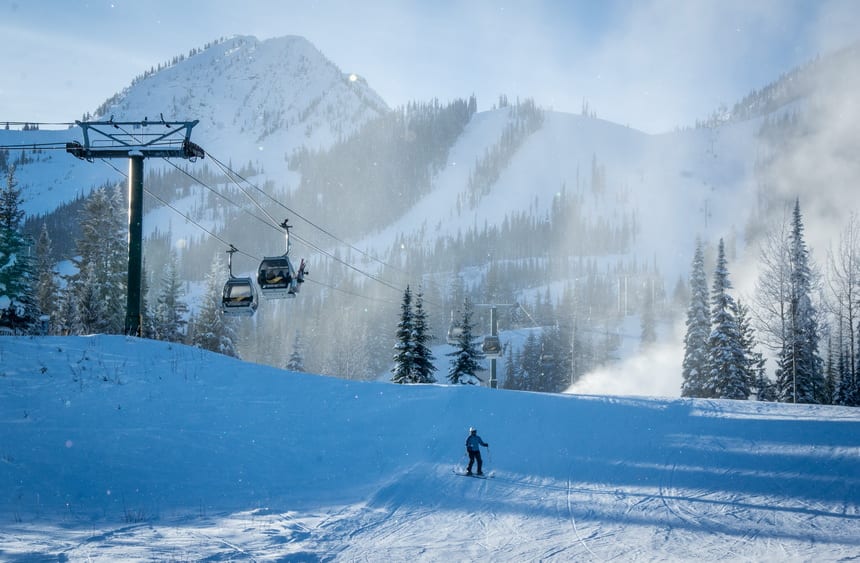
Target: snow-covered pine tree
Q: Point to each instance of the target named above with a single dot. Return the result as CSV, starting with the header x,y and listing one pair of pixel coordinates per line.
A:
x,y
754,360
648,323
404,368
727,373
147,318
512,379
297,358
18,310
47,289
529,363
422,357
552,375
98,288
831,368
170,308
213,331
466,355
694,366
800,375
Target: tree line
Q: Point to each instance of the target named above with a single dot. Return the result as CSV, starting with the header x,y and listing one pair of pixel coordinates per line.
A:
x,y
37,299
789,316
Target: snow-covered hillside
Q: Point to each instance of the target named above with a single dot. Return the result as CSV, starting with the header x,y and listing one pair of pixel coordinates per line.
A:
x,y
672,181
116,448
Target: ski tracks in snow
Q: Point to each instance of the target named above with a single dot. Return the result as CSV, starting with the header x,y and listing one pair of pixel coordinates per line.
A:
x,y
573,520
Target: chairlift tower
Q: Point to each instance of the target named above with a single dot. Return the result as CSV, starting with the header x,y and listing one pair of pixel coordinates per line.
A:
x,y
135,140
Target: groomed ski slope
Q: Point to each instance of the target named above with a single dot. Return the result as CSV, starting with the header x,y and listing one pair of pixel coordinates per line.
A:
x,y
121,449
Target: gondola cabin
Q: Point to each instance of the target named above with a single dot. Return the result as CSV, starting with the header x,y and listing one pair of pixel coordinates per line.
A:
x,y
239,298
492,347
455,332
276,277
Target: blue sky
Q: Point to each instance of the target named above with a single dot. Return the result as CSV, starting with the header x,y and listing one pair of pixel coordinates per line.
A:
x,y
650,64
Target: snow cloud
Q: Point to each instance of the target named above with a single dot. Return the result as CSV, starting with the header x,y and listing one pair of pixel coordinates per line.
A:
x,y
654,372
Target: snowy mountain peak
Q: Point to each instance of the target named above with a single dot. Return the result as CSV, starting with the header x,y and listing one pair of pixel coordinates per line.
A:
x,y
256,101
269,89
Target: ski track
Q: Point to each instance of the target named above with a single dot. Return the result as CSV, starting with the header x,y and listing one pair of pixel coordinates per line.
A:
x,y
572,519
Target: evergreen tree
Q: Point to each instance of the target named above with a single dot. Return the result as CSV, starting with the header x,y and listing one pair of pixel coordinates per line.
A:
x,y
648,323
147,318
297,359
552,377
17,300
64,314
47,289
422,357
754,364
89,307
466,355
727,364
98,288
170,308
530,365
832,371
213,331
694,368
404,361
800,377
512,375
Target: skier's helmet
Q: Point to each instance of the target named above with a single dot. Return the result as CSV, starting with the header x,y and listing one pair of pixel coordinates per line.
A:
x,y
473,430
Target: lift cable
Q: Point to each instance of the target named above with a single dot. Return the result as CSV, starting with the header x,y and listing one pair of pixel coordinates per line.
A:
x,y
306,242
39,123
271,224
231,173
226,243
267,223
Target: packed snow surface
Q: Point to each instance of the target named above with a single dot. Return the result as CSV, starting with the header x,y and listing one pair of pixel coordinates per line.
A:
x,y
122,449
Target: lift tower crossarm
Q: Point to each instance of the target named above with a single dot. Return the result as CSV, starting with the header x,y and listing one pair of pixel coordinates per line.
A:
x,y
112,139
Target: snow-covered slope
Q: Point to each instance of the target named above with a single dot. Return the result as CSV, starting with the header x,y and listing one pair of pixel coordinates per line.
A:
x,y
672,182
116,448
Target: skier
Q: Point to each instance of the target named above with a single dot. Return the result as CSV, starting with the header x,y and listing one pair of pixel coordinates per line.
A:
x,y
473,448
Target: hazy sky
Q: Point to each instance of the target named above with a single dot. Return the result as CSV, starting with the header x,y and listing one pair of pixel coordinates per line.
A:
x,y
650,64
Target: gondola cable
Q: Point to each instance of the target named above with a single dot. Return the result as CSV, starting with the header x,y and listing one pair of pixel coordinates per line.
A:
x,y
229,172
230,245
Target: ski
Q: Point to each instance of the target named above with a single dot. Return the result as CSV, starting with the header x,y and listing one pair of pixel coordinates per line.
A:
x,y
489,475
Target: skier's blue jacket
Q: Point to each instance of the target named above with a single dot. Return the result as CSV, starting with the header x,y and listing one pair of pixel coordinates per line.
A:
x,y
473,443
